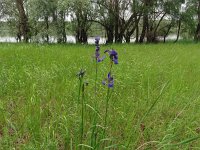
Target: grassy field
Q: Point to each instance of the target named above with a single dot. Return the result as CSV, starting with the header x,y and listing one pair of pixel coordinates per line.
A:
x,y
154,103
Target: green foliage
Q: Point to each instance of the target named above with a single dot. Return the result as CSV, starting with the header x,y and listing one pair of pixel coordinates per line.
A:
x,y
154,105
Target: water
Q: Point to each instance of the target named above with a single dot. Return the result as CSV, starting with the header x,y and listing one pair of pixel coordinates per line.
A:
x,y
8,39
72,39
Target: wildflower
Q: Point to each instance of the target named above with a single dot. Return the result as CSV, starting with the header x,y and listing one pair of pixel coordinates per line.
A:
x,y
97,53
97,39
114,58
113,55
110,81
81,74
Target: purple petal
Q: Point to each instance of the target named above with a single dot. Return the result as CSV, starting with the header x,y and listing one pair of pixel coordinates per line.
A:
x,y
113,52
111,84
101,59
104,82
97,48
97,38
109,76
115,61
97,54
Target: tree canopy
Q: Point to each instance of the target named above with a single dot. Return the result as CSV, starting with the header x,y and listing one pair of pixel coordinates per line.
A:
x,y
120,20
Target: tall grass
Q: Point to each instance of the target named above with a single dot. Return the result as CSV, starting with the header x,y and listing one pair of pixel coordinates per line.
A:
x,y
154,105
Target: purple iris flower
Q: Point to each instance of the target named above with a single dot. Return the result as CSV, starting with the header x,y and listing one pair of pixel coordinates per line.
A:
x,y
110,81
97,53
113,55
97,39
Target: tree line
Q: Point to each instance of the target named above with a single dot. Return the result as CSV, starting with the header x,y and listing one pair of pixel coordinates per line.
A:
x,y
144,20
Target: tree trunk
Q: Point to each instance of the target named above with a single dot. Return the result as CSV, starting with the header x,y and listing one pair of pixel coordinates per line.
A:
x,y
81,35
84,36
156,29
46,19
166,34
128,39
110,35
61,31
144,28
78,35
24,28
82,27
118,39
18,38
137,33
179,29
64,36
197,33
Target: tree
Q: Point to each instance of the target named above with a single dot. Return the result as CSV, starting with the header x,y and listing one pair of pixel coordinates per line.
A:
x,y
81,14
23,20
146,20
105,17
62,10
153,15
10,14
41,20
126,21
115,16
1,10
132,24
194,6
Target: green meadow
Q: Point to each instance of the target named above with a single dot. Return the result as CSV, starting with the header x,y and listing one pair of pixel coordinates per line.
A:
x,y
155,102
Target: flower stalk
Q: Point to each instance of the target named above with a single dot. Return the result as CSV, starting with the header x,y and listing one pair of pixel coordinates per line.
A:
x,y
81,95
110,85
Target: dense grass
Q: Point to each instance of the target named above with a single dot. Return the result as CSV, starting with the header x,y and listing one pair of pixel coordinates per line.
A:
x,y
154,104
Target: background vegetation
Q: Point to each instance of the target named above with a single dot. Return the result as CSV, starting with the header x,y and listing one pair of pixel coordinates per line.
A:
x,y
116,20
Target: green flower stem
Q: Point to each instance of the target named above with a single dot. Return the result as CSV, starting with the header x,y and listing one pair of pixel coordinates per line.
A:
x,y
106,111
82,112
96,76
79,90
93,136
